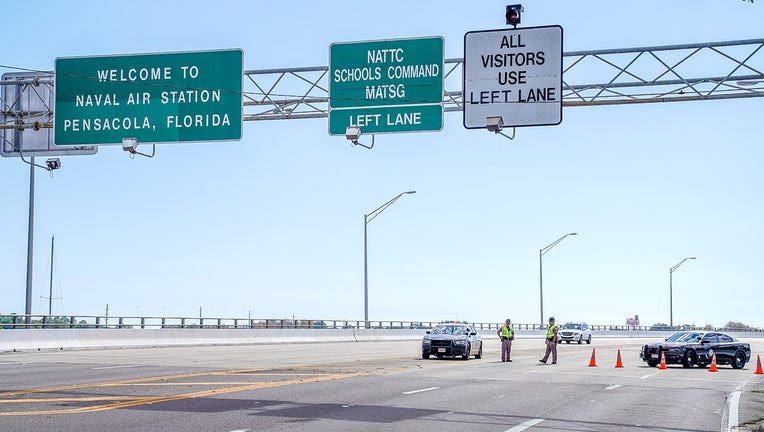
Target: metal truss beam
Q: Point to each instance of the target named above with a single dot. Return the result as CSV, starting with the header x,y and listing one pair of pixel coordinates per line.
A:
x,y
672,73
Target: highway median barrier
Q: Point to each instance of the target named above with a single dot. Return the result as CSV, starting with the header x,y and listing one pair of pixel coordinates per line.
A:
x,y
120,337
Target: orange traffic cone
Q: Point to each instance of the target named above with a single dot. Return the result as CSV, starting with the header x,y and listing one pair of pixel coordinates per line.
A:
x,y
758,366
713,364
663,362
593,361
618,362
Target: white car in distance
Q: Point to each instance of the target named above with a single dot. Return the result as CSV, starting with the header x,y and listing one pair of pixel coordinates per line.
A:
x,y
575,331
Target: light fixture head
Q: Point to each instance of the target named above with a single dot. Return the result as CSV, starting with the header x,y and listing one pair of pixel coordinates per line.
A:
x,y
53,164
494,124
353,133
130,144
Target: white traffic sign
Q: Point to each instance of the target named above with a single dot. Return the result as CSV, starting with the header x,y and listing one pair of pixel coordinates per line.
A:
x,y
515,74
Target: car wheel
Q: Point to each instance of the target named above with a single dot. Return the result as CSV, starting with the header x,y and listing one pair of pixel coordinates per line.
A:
x,y
589,340
480,352
690,359
466,355
652,363
738,362
580,339
425,355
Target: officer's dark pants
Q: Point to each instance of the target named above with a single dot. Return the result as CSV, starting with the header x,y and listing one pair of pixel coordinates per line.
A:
x,y
551,347
506,348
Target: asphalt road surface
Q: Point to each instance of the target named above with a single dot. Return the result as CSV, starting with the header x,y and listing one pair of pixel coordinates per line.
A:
x,y
371,386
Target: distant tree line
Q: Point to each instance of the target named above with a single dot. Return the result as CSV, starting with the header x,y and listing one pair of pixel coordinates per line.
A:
x,y
737,326
731,325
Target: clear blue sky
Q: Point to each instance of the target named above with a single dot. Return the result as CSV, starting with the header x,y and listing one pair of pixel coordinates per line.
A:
x,y
272,225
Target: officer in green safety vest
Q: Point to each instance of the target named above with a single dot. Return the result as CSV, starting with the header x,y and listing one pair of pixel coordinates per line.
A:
x,y
507,334
551,341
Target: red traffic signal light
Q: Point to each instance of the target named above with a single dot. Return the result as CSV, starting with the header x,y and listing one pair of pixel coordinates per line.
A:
x,y
513,14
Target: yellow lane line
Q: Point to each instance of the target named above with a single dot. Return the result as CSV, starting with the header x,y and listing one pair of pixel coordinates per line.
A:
x,y
282,374
74,399
191,383
124,382
160,399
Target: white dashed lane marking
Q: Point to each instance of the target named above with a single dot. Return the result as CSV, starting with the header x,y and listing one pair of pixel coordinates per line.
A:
x,y
115,367
523,426
420,390
733,417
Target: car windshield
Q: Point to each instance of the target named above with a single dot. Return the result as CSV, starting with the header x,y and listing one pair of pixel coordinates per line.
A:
x,y
684,337
450,329
572,326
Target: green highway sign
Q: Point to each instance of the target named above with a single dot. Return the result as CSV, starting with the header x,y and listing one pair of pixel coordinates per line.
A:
x,y
154,98
386,72
396,83
376,120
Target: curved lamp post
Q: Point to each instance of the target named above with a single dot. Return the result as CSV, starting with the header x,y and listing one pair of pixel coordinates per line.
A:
x,y
542,252
671,290
366,219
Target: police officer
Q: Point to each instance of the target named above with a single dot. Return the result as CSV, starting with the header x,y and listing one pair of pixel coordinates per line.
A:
x,y
551,341
507,334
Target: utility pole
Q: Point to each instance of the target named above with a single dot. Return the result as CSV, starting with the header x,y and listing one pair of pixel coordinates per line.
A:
x,y
50,297
50,293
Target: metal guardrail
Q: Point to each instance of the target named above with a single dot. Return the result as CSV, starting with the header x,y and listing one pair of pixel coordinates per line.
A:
x,y
19,321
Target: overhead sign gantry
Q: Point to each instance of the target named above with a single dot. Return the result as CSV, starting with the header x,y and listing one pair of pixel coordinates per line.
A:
x,y
702,71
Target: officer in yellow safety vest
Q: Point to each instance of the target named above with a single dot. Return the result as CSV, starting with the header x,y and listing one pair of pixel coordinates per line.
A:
x,y
551,341
507,334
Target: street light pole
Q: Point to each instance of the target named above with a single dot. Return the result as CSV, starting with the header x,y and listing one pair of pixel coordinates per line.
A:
x,y
30,247
365,274
671,290
366,219
542,252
